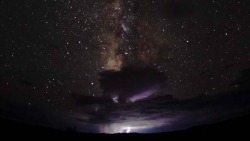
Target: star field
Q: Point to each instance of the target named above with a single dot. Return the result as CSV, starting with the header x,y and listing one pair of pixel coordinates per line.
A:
x,y
53,49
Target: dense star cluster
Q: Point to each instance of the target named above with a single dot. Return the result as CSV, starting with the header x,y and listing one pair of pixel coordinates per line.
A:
x,y
53,49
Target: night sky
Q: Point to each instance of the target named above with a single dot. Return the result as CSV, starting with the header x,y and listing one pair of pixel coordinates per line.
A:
x,y
77,57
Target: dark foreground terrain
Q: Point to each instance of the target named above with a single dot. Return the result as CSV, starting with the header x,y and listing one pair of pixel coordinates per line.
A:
x,y
237,128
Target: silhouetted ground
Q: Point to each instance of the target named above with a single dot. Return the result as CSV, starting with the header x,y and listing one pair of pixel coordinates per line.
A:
x,y
237,128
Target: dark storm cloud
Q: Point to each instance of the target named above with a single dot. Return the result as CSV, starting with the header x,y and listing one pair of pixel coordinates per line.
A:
x,y
131,81
166,112
83,100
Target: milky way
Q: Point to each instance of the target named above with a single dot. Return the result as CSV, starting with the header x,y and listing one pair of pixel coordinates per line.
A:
x,y
124,36
110,39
